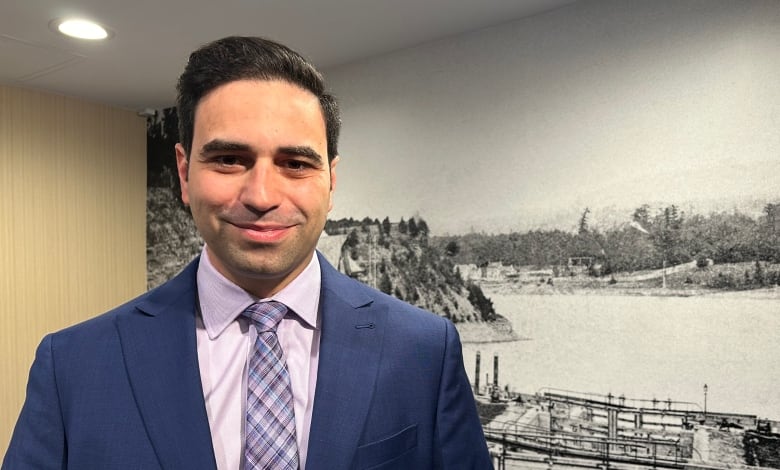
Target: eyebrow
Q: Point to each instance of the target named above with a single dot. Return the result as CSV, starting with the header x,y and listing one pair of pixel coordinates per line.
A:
x,y
219,145
302,151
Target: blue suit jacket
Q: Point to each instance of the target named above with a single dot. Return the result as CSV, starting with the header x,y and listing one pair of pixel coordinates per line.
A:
x,y
123,390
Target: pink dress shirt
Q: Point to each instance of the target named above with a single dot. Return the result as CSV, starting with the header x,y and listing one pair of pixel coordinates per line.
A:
x,y
224,343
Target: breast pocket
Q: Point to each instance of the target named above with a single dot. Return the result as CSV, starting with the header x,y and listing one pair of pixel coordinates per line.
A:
x,y
384,451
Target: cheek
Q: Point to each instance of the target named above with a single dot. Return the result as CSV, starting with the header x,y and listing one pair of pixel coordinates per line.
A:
x,y
209,192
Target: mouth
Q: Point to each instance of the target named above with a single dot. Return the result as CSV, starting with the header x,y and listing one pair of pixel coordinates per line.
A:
x,y
263,233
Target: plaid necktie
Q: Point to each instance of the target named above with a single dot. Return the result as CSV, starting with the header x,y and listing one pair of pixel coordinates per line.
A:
x,y
270,417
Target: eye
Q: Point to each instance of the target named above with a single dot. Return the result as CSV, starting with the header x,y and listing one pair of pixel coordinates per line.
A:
x,y
296,165
226,160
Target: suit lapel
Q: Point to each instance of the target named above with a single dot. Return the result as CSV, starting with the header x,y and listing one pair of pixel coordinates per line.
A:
x,y
350,349
160,349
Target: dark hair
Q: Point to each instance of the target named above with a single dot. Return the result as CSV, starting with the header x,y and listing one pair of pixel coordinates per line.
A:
x,y
249,58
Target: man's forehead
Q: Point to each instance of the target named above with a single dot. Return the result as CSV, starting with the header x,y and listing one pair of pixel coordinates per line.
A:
x,y
279,95
245,112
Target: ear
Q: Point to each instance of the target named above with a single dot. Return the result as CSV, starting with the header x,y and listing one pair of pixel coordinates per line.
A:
x,y
182,167
332,181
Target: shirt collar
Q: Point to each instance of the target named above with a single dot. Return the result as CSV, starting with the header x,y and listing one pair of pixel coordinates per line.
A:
x,y
221,301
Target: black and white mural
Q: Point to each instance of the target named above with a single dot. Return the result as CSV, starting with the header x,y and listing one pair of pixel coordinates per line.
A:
x,y
592,196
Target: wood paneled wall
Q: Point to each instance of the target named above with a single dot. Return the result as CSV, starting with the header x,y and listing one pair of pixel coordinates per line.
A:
x,y
72,223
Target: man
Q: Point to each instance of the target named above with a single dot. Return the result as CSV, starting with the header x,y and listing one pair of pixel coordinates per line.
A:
x,y
179,377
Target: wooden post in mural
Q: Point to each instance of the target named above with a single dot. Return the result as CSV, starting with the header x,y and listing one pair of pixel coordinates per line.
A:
x,y
495,371
476,377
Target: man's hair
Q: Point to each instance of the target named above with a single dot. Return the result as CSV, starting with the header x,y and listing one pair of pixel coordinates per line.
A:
x,y
249,58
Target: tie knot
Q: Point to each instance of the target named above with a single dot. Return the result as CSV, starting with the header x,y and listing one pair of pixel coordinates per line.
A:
x,y
266,315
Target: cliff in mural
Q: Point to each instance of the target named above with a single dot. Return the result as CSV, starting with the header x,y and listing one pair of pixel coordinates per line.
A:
x,y
397,259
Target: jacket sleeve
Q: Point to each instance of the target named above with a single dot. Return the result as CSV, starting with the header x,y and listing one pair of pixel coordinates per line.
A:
x,y
459,433
38,440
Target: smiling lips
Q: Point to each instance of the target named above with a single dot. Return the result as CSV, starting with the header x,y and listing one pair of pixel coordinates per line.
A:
x,y
265,233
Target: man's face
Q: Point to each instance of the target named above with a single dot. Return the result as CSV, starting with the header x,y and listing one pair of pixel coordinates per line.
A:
x,y
258,180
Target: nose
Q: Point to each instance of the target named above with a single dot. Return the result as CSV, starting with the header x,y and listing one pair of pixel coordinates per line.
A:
x,y
261,189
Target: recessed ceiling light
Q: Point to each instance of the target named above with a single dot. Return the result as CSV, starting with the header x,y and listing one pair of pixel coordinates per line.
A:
x,y
80,28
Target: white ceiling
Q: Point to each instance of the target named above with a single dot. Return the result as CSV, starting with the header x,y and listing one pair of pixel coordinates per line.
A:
x,y
138,67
